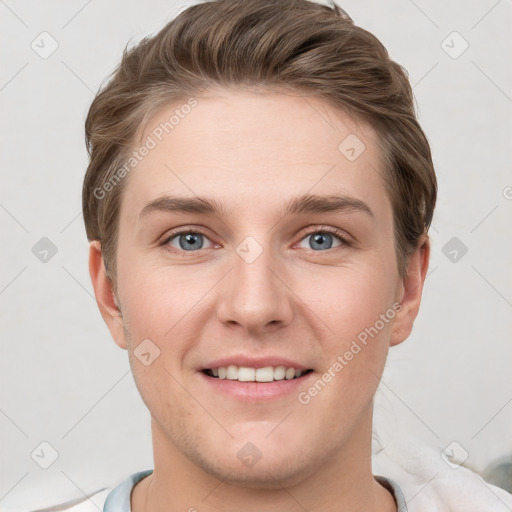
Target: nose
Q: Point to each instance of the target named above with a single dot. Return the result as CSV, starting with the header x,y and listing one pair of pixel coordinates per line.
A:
x,y
254,295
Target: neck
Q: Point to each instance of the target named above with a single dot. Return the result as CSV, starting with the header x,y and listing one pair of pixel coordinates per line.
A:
x,y
341,483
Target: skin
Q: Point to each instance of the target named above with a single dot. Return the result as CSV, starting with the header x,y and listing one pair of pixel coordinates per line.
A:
x,y
252,152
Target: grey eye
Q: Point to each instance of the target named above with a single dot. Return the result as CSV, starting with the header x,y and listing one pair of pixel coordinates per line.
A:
x,y
321,241
188,241
191,241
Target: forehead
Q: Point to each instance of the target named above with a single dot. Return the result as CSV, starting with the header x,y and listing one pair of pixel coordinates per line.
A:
x,y
252,151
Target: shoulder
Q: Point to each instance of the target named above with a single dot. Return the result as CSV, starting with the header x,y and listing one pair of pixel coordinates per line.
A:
x,y
116,499
429,481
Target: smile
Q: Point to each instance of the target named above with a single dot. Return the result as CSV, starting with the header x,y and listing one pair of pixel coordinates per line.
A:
x,y
247,374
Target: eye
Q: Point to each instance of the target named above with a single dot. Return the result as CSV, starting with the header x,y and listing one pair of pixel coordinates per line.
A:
x,y
187,241
319,240
323,239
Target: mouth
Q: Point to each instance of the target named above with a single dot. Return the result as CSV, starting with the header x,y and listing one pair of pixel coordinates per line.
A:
x,y
261,375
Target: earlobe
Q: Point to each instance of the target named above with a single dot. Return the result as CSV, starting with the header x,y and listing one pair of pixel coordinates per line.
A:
x,y
104,293
410,292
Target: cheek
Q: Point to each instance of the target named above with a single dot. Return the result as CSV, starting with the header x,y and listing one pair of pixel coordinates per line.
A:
x,y
352,300
167,401
358,309
157,300
359,312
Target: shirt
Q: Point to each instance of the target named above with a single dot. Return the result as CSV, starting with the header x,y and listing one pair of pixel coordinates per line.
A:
x,y
118,500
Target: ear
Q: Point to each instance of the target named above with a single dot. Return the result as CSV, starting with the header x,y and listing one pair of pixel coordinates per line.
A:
x,y
410,290
104,293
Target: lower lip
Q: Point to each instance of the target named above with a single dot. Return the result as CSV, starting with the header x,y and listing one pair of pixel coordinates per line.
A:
x,y
256,391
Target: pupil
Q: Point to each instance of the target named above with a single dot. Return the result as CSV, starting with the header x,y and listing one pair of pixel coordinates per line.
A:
x,y
322,240
192,241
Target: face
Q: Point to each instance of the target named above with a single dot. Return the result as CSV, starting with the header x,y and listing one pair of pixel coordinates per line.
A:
x,y
258,234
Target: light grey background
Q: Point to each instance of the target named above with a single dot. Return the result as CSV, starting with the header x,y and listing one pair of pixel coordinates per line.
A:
x,y
65,382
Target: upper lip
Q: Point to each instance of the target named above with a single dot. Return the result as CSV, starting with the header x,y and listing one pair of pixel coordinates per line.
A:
x,y
254,362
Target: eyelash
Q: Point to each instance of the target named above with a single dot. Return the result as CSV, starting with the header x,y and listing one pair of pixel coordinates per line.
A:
x,y
323,229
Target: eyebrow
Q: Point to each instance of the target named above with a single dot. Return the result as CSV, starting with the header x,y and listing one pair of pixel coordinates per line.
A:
x,y
304,204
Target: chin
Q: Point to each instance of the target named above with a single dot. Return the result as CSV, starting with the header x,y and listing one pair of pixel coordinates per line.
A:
x,y
268,473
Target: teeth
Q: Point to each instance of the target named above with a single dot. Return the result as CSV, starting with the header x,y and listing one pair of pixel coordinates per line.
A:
x,y
265,374
279,372
246,374
232,372
290,373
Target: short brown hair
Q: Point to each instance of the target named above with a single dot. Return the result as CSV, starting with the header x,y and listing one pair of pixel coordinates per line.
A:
x,y
306,46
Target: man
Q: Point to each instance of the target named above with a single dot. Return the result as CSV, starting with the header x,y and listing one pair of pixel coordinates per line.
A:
x,y
257,200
